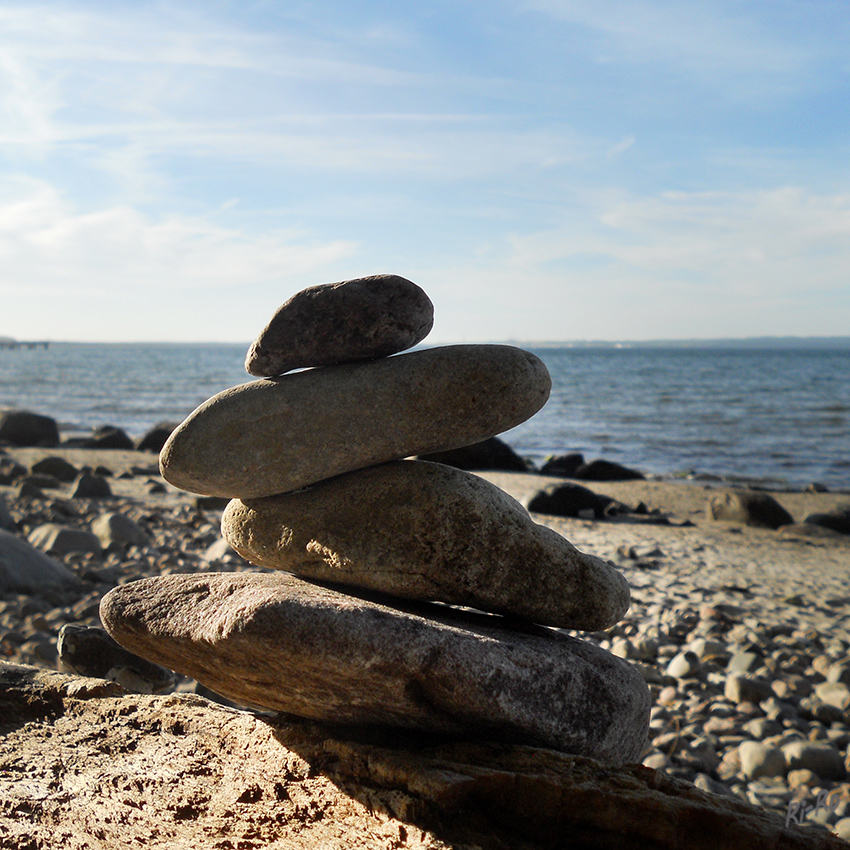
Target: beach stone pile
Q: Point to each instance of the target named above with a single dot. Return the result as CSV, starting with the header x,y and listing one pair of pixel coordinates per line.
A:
x,y
368,547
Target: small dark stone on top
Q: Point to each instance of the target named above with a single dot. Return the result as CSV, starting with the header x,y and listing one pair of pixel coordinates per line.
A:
x,y
360,319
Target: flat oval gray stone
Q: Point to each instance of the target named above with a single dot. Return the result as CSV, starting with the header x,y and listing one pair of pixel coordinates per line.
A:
x,y
275,641
426,531
358,319
273,436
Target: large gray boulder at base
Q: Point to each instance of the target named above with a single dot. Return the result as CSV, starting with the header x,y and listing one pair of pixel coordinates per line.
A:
x,y
359,319
23,569
273,436
278,642
426,531
85,766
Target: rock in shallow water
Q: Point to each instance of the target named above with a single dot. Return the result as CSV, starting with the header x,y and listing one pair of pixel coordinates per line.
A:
x,y
281,643
434,533
359,319
270,437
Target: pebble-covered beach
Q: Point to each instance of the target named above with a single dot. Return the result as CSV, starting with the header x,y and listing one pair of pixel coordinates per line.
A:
x,y
742,634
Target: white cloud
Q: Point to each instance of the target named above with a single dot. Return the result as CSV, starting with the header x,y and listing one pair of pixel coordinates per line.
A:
x,y
672,265
707,37
64,270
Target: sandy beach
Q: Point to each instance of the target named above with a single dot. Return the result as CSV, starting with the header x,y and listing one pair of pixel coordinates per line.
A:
x,y
711,602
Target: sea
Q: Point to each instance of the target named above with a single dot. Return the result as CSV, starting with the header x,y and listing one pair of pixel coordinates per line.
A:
x,y
775,416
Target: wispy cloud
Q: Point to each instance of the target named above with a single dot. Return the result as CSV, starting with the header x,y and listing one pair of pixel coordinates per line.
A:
x,y
637,267
73,265
716,37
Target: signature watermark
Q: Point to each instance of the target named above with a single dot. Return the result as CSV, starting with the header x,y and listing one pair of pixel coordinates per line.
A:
x,y
798,810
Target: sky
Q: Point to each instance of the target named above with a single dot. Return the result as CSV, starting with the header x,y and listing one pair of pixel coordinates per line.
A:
x,y
543,169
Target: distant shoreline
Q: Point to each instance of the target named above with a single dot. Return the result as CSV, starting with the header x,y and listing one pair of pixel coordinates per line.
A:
x,y
760,343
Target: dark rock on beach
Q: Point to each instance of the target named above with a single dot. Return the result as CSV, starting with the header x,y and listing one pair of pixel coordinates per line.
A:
x,y
56,466
835,520
41,481
154,439
562,466
90,651
90,486
10,471
24,428
606,470
491,454
277,642
569,500
359,319
750,507
110,437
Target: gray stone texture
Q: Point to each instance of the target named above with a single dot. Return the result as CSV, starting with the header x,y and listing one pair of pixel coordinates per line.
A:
x,y
359,319
273,436
118,529
426,531
278,642
59,540
23,569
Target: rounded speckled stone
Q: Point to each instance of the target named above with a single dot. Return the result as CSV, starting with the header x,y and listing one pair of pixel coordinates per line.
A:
x,y
358,319
275,641
273,436
426,531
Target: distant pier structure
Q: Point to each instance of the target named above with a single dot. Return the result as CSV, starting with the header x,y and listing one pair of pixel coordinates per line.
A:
x,y
8,342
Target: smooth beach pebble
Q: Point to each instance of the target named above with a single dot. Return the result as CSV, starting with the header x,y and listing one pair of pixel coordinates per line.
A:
x,y
273,436
359,319
278,642
434,532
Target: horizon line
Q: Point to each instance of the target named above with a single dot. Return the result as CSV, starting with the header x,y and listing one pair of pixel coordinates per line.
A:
x,y
534,343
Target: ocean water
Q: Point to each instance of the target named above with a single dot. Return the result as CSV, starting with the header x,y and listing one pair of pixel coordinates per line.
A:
x,y
780,417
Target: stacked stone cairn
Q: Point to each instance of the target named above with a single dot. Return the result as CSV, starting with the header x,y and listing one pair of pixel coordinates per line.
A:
x,y
380,557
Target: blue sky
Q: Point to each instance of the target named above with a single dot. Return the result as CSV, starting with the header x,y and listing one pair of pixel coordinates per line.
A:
x,y
544,169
